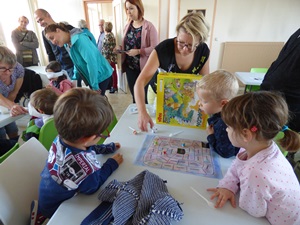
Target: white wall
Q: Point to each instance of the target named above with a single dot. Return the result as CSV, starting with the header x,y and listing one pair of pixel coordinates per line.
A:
x,y
255,20
235,20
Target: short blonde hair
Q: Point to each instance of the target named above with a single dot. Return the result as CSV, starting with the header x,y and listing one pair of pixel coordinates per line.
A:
x,y
108,26
221,84
7,56
195,24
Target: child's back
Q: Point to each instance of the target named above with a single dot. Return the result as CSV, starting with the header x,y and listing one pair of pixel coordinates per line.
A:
x,y
80,116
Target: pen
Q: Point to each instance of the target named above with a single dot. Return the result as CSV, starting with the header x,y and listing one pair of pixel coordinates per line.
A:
x,y
134,130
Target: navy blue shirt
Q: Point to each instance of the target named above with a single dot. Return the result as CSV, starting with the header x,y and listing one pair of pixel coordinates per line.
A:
x,y
219,141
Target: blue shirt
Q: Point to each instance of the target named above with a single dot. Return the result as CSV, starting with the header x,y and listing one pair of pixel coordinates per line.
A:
x,y
219,141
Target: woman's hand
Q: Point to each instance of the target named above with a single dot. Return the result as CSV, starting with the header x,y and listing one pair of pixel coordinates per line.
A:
x,y
16,110
223,195
133,52
143,121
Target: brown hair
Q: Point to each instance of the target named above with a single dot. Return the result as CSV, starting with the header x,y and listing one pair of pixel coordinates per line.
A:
x,y
221,84
53,27
44,100
195,24
266,111
81,112
139,5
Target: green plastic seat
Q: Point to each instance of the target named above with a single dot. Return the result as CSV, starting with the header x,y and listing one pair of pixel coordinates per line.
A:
x,y
9,152
250,88
109,129
48,133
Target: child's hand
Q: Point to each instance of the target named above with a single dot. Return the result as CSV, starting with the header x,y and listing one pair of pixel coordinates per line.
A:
x,y
118,145
118,157
210,129
48,86
223,195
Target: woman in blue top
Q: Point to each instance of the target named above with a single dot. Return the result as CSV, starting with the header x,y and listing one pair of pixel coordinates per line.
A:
x,y
89,63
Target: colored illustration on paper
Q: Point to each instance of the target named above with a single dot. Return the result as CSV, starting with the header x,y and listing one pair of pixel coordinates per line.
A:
x,y
178,101
180,155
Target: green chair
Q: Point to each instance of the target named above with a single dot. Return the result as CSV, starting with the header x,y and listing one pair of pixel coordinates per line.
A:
x,y
250,88
109,129
9,152
48,133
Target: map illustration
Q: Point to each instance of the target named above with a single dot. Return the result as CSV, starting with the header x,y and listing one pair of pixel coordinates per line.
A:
x,y
180,155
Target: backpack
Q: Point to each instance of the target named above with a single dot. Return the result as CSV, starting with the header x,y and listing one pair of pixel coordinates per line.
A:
x,y
31,82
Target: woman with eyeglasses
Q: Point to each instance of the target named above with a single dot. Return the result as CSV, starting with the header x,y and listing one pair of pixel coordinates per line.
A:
x,y
11,79
186,53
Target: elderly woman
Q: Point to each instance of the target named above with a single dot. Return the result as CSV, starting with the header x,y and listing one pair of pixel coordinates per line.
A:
x,y
26,43
11,79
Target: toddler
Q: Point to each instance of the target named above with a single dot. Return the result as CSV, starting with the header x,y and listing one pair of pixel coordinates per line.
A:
x,y
214,91
80,116
58,77
265,179
40,107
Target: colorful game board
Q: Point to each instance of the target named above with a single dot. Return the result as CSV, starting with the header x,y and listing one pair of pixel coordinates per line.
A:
x,y
177,101
181,155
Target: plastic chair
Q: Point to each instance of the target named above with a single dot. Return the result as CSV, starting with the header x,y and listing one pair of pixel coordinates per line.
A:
x,y
250,88
9,152
109,129
48,133
19,182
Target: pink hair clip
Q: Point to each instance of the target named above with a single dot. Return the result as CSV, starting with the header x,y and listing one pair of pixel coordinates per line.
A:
x,y
253,129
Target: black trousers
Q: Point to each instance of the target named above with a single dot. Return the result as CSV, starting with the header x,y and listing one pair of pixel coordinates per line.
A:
x,y
132,76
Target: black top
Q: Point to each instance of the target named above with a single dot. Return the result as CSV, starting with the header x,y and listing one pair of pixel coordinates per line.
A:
x,y
219,141
284,76
166,56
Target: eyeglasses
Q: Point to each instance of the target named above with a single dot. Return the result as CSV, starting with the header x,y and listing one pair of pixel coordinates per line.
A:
x,y
104,136
3,69
190,47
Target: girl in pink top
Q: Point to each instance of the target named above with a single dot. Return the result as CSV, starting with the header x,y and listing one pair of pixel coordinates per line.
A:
x,y
265,179
58,77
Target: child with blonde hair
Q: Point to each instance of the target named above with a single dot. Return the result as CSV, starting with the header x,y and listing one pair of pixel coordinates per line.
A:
x,y
58,78
214,91
265,179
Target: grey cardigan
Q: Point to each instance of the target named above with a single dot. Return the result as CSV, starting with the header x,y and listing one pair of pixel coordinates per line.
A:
x,y
29,42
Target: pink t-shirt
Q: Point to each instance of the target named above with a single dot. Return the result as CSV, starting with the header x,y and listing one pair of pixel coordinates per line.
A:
x,y
268,186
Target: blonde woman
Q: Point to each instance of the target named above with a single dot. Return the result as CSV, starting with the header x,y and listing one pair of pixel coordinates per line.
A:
x,y
186,53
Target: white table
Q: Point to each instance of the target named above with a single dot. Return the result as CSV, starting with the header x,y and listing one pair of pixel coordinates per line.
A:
x,y
41,71
7,119
196,210
250,79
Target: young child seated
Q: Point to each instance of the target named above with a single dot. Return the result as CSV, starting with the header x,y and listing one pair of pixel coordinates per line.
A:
x,y
80,116
58,77
267,183
40,107
214,91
